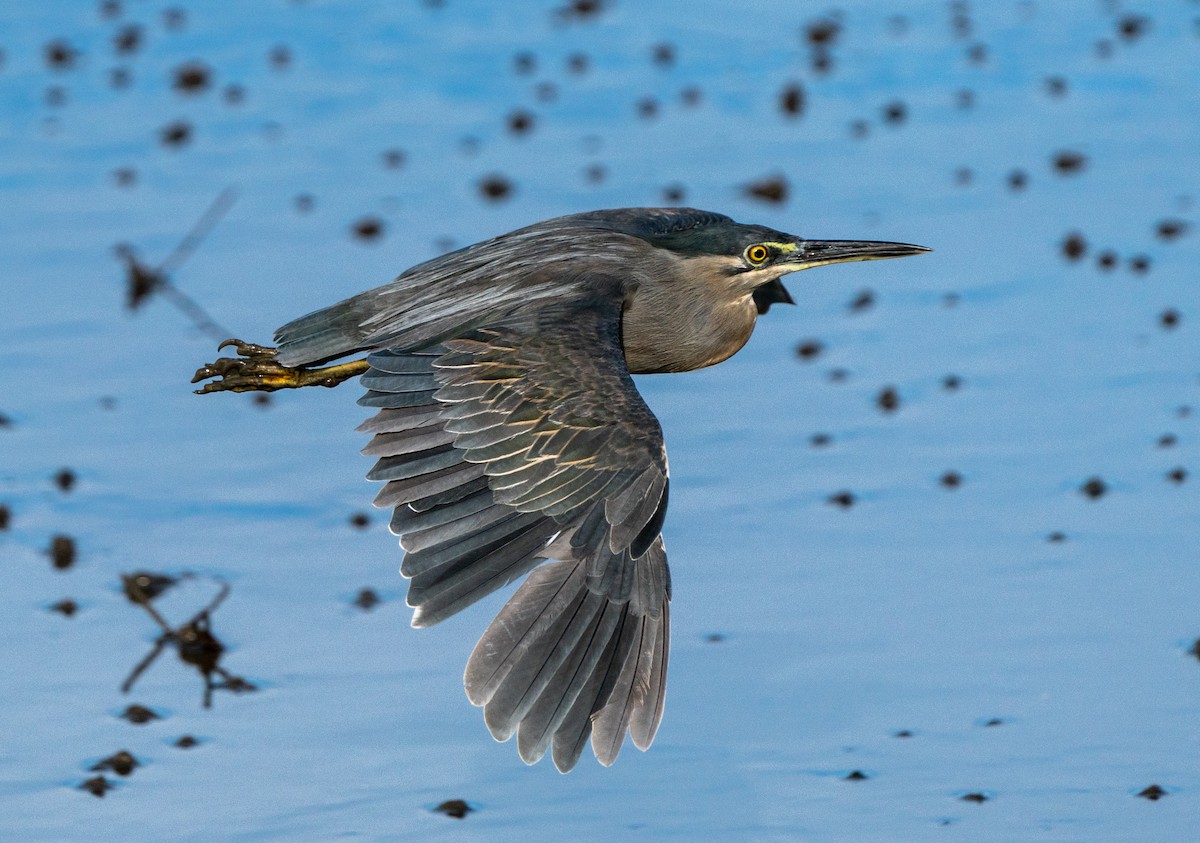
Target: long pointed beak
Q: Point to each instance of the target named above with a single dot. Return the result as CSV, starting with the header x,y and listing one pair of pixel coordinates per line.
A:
x,y
812,253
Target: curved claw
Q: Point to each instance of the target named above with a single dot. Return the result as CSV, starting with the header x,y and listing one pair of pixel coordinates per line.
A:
x,y
256,370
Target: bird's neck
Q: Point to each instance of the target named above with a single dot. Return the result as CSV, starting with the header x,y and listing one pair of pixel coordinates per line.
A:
x,y
672,330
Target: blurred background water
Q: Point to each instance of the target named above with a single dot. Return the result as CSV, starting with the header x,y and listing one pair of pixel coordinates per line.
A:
x,y
988,591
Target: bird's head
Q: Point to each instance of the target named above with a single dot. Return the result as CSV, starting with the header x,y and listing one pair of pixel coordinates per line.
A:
x,y
740,260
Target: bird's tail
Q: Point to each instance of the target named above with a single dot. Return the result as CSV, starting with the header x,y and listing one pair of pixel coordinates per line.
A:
x,y
562,662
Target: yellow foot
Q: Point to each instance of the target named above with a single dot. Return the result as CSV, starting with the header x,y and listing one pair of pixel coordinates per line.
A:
x,y
256,370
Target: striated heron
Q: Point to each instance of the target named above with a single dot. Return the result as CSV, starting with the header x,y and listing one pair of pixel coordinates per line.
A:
x,y
511,440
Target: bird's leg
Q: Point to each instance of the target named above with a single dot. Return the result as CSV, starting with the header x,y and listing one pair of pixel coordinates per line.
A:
x,y
256,369
127,685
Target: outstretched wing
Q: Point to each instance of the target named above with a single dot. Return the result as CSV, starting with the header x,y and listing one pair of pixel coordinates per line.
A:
x,y
524,440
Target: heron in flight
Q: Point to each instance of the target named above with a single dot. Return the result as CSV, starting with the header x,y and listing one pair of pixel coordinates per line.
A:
x,y
512,441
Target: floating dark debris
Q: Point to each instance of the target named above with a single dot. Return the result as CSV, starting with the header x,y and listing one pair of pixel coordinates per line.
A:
x,y
1018,180
191,78
1171,229
110,9
196,645
691,97
964,98
1056,537
1139,264
975,797
176,134
1195,650
1169,318
119,77
128,39
715,637
234,95
495,188
360,520
393,159
888,399
145,585
823,32
122,763
124,176
546,92
456,808
820,440
1074,246
673,194
596,173
855,776
977,54
1056,86
65,607
174,19
6,423
902,733
859,129
1094,488
809,349
524,63
895,113
663,54
367,229
1132,27
578,64
367,599
520,122
60,55
303,202
1104,49
1167,440
845,500
139,714
838,375
1177,475
1106,260
963,176
951,480
647,108
1153,793
1069,162
262,400
186,742
863,300
992,722
62,552
792,99
280,57
97,786
64,479
5,517
772,189
56,96
952,383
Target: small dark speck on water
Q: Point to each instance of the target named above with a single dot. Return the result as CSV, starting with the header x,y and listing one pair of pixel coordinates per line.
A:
x,y
191,78
456,808
393,159
1132,27
902,733
524,63
1094,488
963,176
367,599
122,763
647,108
128,39
951,383
809,349
863,300
520,122
838,375
578,63
895,113
124,176
1106,260
791,100
303,203
5,422
65,607
1195,650
1056,86
1074,246
60,55
964,99
691,97
1171,229
951,480
820,440
139,714
1018,180
280,57
5,517
663,54
495,188
65,480
62,552
1153,793
97,786
673,194
1069,162
1169,318
1056,537
174,19
1177,475
888,399
772,189
262,400
976,797
186,742
234,94
856,776
360,520
368,229
1167,440
845,500
175,134
993,721
714,637
1139,264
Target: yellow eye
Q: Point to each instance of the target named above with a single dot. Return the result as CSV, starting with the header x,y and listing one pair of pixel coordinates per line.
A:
x,y
757,253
